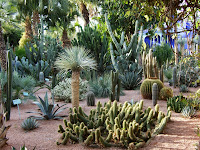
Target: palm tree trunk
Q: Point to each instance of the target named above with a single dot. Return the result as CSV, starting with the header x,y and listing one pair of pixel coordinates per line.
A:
x,y
75,88
85,13
28,29
66,41
3,53
36,21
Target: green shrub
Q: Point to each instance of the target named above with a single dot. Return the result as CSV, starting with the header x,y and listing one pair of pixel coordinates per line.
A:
x,y
183,88
146,87
163,53
166,93
168,74
177,103
20,52
63,90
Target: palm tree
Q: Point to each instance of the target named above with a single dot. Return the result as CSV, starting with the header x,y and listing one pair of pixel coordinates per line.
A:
x,y
75,59
60,15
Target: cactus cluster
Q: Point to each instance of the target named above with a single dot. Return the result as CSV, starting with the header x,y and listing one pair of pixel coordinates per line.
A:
x,y
177,103
146,87
113,124
150,66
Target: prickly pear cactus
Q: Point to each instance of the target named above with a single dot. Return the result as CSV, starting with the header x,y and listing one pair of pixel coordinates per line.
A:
x,y
113,124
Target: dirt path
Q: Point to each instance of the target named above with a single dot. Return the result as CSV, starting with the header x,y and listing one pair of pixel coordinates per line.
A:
x,y
178,134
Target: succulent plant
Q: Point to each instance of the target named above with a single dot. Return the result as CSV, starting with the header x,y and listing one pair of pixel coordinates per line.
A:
x,y
166,93
113,124
29,124
155,93
48,111
146,87
177,103
188,111
90,98
183,88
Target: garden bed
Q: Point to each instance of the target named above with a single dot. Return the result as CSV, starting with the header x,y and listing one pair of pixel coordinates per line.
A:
x,y
178,134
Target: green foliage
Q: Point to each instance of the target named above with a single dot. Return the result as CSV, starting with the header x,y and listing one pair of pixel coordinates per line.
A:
x,y
101,86
188,111
165,93
97,44
20,52
76,59
29,124
183,88
63,90
13,33
177,103
48,111
163,53
131,80
168,73
146,87
113,124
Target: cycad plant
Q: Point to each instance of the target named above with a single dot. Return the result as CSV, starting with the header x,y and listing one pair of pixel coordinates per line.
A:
x,y
75,59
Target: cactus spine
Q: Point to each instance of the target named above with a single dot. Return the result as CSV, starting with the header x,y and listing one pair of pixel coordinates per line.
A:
x,y
154,93
90,98
9,84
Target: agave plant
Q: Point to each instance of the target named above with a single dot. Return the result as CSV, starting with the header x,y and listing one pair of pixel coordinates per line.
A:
x,y
188,111
29,124
48,111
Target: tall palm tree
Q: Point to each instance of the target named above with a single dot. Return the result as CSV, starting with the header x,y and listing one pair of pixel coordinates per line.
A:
x,y
75,59
60,15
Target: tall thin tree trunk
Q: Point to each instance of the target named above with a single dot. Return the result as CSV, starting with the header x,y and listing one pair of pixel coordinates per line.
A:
x,y
176,46
66,41
3,53
28,29
36,21
85,13
75,88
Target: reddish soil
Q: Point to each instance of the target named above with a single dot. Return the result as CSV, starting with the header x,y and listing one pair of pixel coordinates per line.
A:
x,y
178,134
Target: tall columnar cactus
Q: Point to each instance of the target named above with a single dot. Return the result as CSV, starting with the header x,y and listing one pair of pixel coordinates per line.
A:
x,y
149,64
125,55
161,74
9,84
114,124
155,93
115,86
174,77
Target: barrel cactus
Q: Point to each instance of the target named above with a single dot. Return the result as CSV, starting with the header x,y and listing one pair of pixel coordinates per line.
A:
x,y
146,87
90,98
166,93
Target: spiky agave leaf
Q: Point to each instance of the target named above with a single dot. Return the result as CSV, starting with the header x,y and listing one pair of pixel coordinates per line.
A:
x,y
29,124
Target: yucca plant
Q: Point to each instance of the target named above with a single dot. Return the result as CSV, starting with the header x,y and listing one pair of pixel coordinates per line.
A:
x,y
48,111
75,59
29,124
